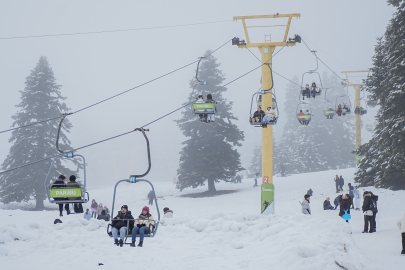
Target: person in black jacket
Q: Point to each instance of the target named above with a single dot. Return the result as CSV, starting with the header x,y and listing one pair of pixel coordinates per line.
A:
x,y
345,205
368,206
120,223
258,115
58,184
374,199
326,204
338,200
104,216
310,192
341,183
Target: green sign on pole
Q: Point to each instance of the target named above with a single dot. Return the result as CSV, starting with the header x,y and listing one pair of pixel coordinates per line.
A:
x,y
267,197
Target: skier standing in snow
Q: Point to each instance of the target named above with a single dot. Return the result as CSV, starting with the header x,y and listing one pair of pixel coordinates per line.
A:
x,y
151,197
401,226
306,208
255,178
336,183
143,225
345,205
368,209
351,194
99,210
374,198
94,208
310,192
341,183
356,193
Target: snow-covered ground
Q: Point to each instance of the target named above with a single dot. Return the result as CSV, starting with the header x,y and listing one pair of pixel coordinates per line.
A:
x,y
223,232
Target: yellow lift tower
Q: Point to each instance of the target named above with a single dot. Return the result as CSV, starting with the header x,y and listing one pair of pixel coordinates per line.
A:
x,y
357,88
266,49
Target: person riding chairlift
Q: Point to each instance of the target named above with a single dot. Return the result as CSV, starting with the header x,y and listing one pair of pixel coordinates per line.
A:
x,y
200,99
314,89
306,92
210,117
258,115
270,115
339,110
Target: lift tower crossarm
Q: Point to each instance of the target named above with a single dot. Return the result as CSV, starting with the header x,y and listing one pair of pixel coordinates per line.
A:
x,y
266,44
266,50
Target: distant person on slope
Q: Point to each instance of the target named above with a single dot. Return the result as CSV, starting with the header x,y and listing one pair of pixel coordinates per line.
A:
x,y
338,200
351,193
326,205
151,197
337,183
120,223
341,183
255,178
368,208
100,209
345,205
357,198
310,192
374,198
167,213
144,224
94,208
306,208
103,216
401,227
87,214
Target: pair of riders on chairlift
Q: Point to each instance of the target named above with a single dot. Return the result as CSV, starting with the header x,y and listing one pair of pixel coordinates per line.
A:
x,y
329,112
303,121
60,183
342,110
144,224
360,110
308,91
265,117
206,117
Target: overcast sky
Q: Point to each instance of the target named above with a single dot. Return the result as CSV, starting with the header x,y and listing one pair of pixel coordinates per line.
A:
x,y
95,66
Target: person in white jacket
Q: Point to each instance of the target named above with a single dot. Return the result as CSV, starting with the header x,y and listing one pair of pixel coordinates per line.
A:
x,y
306,208
401,226
357,199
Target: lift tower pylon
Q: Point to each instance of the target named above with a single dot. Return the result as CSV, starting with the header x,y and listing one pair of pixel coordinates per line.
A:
x,y
357,87
266,49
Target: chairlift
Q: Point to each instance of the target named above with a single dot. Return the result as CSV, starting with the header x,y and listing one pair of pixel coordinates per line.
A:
x,y
259,119
308,91
372,103
329,112
342,105
304,113
369,127
62,194
134,179
205,108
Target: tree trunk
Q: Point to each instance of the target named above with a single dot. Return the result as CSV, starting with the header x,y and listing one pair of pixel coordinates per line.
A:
x,y
211,185
39,206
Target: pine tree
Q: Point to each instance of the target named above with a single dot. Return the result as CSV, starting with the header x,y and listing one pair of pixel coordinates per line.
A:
x,y
209,153
383,162
256,162
40,99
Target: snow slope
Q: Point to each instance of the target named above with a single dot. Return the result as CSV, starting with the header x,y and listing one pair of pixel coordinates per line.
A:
x,y
223,232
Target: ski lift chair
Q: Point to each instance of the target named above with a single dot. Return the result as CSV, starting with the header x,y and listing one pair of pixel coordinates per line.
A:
x,y
258,121
135,179
203,109
306,109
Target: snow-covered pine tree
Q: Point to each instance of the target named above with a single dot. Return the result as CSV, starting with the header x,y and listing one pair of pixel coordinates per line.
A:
x,y
209,154
256,161
383,163
40,99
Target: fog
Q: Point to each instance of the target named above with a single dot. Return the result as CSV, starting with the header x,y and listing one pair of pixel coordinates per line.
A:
x,y
92,67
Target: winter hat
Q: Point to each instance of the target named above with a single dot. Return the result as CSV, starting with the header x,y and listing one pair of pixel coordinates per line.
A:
x,y
125,206
57,221
166,209
306,196
72,178
145,208
62,177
